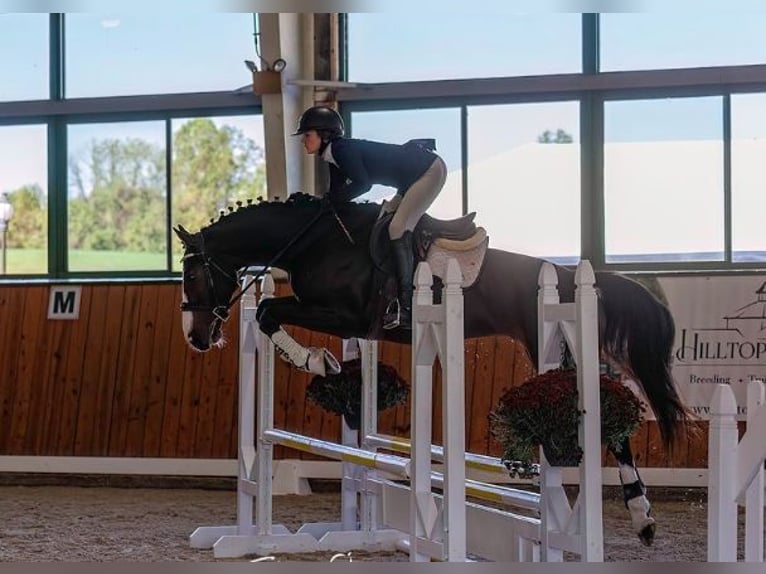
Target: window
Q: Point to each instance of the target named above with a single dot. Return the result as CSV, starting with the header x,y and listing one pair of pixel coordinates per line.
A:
x,y
24,57
24,184
216,162
524,177
386,47
156,53
117,197
400,126
748,176
663,180
681,38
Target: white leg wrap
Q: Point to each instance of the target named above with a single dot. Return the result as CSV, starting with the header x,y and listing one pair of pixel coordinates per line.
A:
x,y
639,506
639,513
312,360
289,347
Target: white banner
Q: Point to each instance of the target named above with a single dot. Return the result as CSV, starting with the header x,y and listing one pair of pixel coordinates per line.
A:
x,y
720,335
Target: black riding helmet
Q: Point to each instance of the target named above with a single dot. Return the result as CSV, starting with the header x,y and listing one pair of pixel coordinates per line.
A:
x,y
321,119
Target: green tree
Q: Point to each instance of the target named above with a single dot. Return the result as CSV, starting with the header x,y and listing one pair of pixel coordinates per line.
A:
x,y
117,196
28,226
212,168
557,138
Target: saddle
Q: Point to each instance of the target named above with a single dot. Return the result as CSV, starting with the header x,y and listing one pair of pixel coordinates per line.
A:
x,y
435,241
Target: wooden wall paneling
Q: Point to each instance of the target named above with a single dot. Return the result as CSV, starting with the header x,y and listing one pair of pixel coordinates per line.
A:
x,y
87,412
295,416
73,375
656,456
49,365
697,440
166,315
25,383
187,425
58,377
226,394
179,353
203,440
483,383
108,364
145,348
638,445
12,300
126,359
472,364
504,357
283,401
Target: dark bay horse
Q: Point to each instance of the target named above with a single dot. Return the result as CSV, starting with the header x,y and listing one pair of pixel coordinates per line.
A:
x,y
326,252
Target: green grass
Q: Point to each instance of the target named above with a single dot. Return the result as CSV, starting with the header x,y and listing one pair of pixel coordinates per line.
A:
x,y
35,261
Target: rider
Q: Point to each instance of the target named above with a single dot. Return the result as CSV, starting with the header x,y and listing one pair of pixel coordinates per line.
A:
x,y
417,173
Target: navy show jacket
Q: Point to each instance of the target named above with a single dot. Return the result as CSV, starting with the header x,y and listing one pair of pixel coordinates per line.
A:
x,y
363,163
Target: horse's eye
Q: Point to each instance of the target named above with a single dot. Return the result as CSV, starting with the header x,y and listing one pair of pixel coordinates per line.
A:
x,y
191,277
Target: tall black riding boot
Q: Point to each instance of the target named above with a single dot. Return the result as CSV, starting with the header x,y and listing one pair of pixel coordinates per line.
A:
x,y
399,311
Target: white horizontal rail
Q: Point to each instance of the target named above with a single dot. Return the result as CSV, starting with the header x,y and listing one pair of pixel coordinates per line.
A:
x,y
387,462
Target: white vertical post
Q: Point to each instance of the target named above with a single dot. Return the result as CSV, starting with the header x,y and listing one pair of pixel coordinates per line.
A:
x,y
453,415
754,496
248,329
349,437
551,489
368,504
722,459
589,404
265,453
422,507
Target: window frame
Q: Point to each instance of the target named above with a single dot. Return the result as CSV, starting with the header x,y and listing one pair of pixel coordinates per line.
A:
x,y
592,89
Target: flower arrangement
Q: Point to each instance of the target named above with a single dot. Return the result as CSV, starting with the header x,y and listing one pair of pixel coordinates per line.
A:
x,y
543,412
342,393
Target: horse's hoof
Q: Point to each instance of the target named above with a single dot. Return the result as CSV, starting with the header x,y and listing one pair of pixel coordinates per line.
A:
x,y
331,363
322,362
646,535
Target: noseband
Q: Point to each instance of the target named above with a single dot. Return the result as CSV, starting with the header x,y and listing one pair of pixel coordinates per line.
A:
x,y
218,309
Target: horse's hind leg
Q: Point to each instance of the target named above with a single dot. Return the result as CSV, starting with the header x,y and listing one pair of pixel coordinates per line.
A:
x,y
634,494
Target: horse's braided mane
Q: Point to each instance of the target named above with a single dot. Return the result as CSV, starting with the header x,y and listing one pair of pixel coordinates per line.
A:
x,y
297,199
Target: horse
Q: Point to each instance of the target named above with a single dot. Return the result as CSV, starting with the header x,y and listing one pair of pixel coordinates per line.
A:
x,y
327,252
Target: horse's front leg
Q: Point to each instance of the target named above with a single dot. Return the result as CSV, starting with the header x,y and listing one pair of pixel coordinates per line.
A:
x,y
634,494
273,313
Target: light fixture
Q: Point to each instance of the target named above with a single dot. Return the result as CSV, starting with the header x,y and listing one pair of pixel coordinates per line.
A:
x,y
278,65
6,212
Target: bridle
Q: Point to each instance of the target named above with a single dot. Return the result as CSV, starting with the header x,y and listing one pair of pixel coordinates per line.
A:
x,y
220,310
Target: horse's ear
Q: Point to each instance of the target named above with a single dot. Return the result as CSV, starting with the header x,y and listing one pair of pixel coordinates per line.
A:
x,y
183,235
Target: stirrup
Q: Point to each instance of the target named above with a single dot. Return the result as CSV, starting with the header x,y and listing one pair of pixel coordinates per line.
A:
x,y
392,318
392,315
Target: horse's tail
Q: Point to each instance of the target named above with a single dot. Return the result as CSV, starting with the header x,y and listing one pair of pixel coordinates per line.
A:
x,y
638,333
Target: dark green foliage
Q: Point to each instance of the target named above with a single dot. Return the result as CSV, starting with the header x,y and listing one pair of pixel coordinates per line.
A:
x,y
342,393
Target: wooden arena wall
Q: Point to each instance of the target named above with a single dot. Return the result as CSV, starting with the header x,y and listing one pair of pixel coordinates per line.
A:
x,y
121,381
